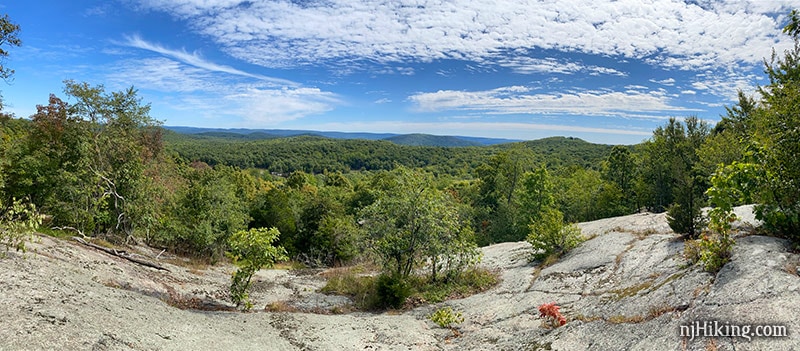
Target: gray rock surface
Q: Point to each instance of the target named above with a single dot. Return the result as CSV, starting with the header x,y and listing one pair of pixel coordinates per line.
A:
x,y
626,288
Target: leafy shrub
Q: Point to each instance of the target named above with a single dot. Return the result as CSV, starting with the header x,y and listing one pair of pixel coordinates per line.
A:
x,y
715,251
18,223
392,290
728,185
550,236
550,312
685,219
445,317
251,251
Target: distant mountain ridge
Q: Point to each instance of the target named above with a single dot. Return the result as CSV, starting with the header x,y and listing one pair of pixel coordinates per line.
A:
x,y
431,140
400,139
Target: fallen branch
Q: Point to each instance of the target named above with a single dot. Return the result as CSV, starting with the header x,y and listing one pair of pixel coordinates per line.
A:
x,y
122,254
70,228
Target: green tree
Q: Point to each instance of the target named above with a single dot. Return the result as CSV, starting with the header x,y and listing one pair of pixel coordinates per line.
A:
x,y
536,195
272,208
8,36
498,188
337,239
671,177
84,163
583,195
777,130
620,169
251,250
729,140
410,222
206,213
550,236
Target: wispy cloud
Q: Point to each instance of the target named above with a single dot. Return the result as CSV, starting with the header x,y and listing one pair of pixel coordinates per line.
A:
x,y
726,83
216,95
531,65
196,60
520,100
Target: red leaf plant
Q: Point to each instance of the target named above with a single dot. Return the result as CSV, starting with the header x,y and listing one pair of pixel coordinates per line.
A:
x,y
553,317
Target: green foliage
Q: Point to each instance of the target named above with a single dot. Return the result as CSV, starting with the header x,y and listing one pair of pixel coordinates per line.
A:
x,y
392,290
713,250
777,129
317,154
205,214
272,208
583,195
685,216
410,222
445,317
793,27
336,239
467,282
536,194
84,163
18,222
550,236
620,170
729,140
671,177
668,167
497,199
730,184
9,34
252,250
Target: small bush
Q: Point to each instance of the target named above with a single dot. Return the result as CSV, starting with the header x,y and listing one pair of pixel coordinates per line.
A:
x,y
363,289
550,236
251,251
712,250
392,290
715,251
445,317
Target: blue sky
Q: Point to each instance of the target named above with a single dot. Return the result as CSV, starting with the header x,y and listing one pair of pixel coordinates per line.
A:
x,y
604,71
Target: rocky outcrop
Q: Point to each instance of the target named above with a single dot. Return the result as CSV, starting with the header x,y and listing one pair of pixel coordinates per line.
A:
x,y
626,288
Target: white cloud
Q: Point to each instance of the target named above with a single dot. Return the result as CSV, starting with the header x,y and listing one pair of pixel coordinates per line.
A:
x,y
530,65
726,83
668,33
218,95
668,82
688,92
382,101
160,74
519,100
269,106
196,60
